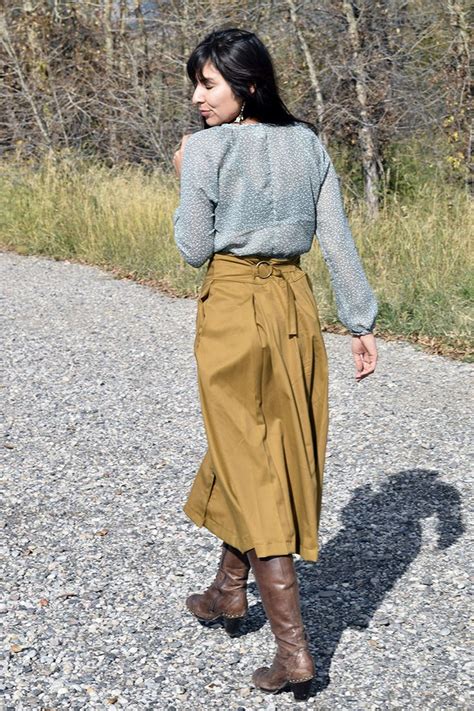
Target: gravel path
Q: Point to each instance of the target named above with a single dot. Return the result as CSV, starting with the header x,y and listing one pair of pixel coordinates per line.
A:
x,y
102,436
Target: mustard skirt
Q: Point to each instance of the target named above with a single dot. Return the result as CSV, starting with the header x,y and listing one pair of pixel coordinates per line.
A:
x,y
263,384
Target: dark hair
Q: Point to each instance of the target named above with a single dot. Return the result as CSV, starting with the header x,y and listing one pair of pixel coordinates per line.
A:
x,y
242,59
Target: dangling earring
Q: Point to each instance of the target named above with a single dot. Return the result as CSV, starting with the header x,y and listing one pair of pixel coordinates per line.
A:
x,y
240,117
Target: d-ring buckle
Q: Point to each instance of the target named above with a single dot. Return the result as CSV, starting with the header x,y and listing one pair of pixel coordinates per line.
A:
x,y
269,273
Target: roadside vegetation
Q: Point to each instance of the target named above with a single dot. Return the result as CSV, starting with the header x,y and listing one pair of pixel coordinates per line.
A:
x,y
417,253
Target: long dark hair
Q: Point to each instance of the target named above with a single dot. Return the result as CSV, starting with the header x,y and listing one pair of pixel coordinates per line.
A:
x,y
242,59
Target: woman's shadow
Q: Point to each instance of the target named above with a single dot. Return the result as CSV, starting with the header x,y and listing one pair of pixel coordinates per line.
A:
x,y
381,536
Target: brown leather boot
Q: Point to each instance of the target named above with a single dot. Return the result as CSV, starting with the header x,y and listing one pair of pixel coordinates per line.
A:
x,y
293,665
226,597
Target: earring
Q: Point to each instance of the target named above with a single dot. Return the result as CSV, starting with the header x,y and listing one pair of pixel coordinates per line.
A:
x,y
240,117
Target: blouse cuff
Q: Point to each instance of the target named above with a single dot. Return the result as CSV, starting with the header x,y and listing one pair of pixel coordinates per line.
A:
x,y
364,332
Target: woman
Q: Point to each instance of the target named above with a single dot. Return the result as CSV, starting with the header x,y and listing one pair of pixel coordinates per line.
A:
x,y
255,185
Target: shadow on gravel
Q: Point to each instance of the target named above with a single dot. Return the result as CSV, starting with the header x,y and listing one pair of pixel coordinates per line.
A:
x,y
381,536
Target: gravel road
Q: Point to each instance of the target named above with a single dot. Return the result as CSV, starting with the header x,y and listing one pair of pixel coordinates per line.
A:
x,y
102,435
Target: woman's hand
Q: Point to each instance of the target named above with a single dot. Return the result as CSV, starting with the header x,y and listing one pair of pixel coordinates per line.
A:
x,y
364,351
178,156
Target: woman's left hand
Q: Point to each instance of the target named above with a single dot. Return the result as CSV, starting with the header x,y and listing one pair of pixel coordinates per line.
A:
x,y
178,156
364,351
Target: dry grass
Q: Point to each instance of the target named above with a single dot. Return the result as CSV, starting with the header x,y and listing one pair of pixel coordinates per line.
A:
x,y
416,255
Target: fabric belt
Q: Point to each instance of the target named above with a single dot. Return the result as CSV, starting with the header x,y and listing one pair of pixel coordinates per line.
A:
x,y
257,268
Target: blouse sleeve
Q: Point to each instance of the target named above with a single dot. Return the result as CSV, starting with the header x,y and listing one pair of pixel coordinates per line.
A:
x,y
356,303
193,219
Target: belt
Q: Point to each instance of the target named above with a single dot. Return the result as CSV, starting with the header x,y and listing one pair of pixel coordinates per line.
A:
x,y
271,270
263,269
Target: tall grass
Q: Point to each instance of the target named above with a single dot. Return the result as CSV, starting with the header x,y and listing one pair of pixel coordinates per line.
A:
x,y
416,254
418,258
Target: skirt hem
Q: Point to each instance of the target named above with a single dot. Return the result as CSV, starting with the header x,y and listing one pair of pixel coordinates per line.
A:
x,y
262,548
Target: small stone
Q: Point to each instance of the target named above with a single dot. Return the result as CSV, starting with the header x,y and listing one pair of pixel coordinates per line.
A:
x,y
360,622
244,692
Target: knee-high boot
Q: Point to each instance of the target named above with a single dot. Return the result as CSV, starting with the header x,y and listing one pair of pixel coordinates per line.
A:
x,y
293,664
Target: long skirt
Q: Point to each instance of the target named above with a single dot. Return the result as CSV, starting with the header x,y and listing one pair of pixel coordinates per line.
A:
x,y
263,384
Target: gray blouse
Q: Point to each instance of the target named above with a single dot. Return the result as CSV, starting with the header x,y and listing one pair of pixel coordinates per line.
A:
x,y
261,189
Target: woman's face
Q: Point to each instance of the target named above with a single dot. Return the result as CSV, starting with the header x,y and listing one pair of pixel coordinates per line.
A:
x,y
214,97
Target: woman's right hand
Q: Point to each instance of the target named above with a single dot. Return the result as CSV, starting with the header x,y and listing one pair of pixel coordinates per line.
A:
x,y
178,155
364,351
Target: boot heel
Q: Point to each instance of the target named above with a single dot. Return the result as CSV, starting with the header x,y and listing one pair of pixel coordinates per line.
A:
x,y
301,689
232,625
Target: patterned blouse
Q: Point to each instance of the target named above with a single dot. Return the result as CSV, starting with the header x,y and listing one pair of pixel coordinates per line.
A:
x,y
259,189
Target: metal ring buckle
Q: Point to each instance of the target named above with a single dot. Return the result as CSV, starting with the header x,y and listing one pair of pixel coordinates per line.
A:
x,y
266,275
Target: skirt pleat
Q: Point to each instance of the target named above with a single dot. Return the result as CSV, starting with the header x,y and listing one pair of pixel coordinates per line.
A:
x,y
263,385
